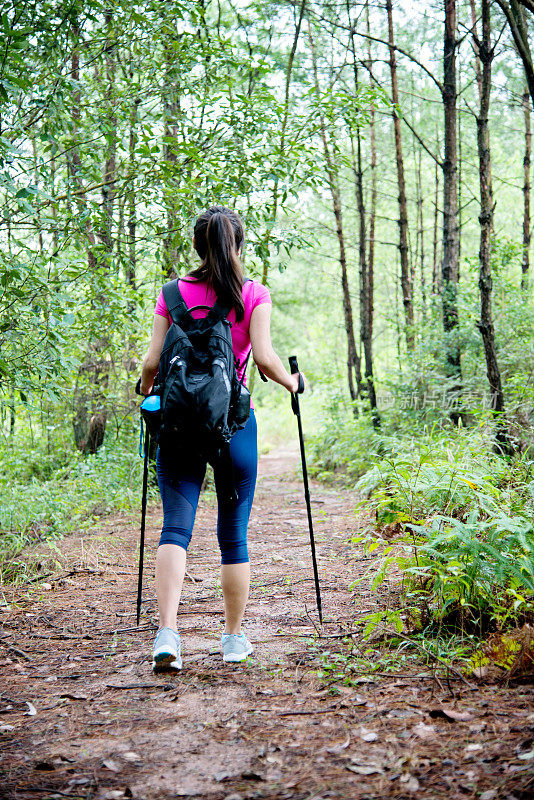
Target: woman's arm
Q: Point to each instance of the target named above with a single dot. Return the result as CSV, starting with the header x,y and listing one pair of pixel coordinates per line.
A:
x,y
263,352
151,360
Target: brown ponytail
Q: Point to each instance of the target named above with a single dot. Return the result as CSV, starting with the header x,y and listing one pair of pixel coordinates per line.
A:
x,y
218,236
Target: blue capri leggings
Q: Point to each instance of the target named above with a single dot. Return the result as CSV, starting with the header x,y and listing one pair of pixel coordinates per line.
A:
x,y
180,489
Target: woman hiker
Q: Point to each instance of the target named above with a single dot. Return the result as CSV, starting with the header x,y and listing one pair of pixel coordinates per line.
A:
x,y
218,237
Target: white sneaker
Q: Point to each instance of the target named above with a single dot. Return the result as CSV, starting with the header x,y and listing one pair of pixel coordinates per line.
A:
x,y
235,647
166,651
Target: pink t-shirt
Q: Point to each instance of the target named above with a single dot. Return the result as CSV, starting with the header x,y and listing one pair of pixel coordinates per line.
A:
x,y
197,293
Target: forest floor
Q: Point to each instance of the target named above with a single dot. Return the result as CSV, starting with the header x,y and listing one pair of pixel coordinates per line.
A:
x,y
83,716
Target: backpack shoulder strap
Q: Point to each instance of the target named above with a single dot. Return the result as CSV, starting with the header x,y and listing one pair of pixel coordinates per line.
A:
x,y
174,301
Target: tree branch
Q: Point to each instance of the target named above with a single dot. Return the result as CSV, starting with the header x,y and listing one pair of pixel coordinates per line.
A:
x,y
514,15
403,118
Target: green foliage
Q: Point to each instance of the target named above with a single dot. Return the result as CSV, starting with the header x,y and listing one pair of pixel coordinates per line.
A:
x,y
454,520
464,539
46,495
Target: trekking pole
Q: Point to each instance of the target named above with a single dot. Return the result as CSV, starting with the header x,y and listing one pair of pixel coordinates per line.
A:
x,y
296,410
143,511
143,518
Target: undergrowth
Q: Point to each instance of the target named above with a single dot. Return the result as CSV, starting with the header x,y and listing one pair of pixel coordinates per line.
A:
x,y
44,495
450,525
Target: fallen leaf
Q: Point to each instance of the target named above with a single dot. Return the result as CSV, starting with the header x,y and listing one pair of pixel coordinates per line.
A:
x,y
108,763
401,713
335,749
526,756
131,756
489,795
358,701
424,731
70,696
367,735
46,586
450,714
32,711
6,727
274,760
410,781
474,747
363,770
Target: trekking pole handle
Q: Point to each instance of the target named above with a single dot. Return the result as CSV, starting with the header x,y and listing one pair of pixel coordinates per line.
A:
x,y
138,387
294,367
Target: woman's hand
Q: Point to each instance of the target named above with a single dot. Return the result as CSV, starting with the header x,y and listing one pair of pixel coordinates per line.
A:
x,y
295,377
146,388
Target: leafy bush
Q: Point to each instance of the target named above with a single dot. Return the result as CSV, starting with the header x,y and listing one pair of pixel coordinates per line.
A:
x,y
464,523
72,497
454,520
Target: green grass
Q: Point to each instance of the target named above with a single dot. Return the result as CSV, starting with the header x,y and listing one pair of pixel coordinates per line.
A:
x,y
42,500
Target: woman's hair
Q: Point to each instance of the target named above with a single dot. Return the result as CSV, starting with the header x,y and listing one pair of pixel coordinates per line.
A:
x,y
219,234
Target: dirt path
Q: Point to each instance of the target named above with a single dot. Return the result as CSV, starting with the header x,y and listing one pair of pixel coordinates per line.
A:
x,y
82,715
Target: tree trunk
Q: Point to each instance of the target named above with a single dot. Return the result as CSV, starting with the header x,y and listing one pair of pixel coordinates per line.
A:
x,y
450,266
515,15
89,420
90,415
372,213
406,276
372,223
132,210
108,189
353,359
525,265
171,108
366,292
486,215
420,240
366,288
436,283
274,213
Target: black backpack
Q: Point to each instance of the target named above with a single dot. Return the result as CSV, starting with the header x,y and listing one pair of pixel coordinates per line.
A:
x,y
203,403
